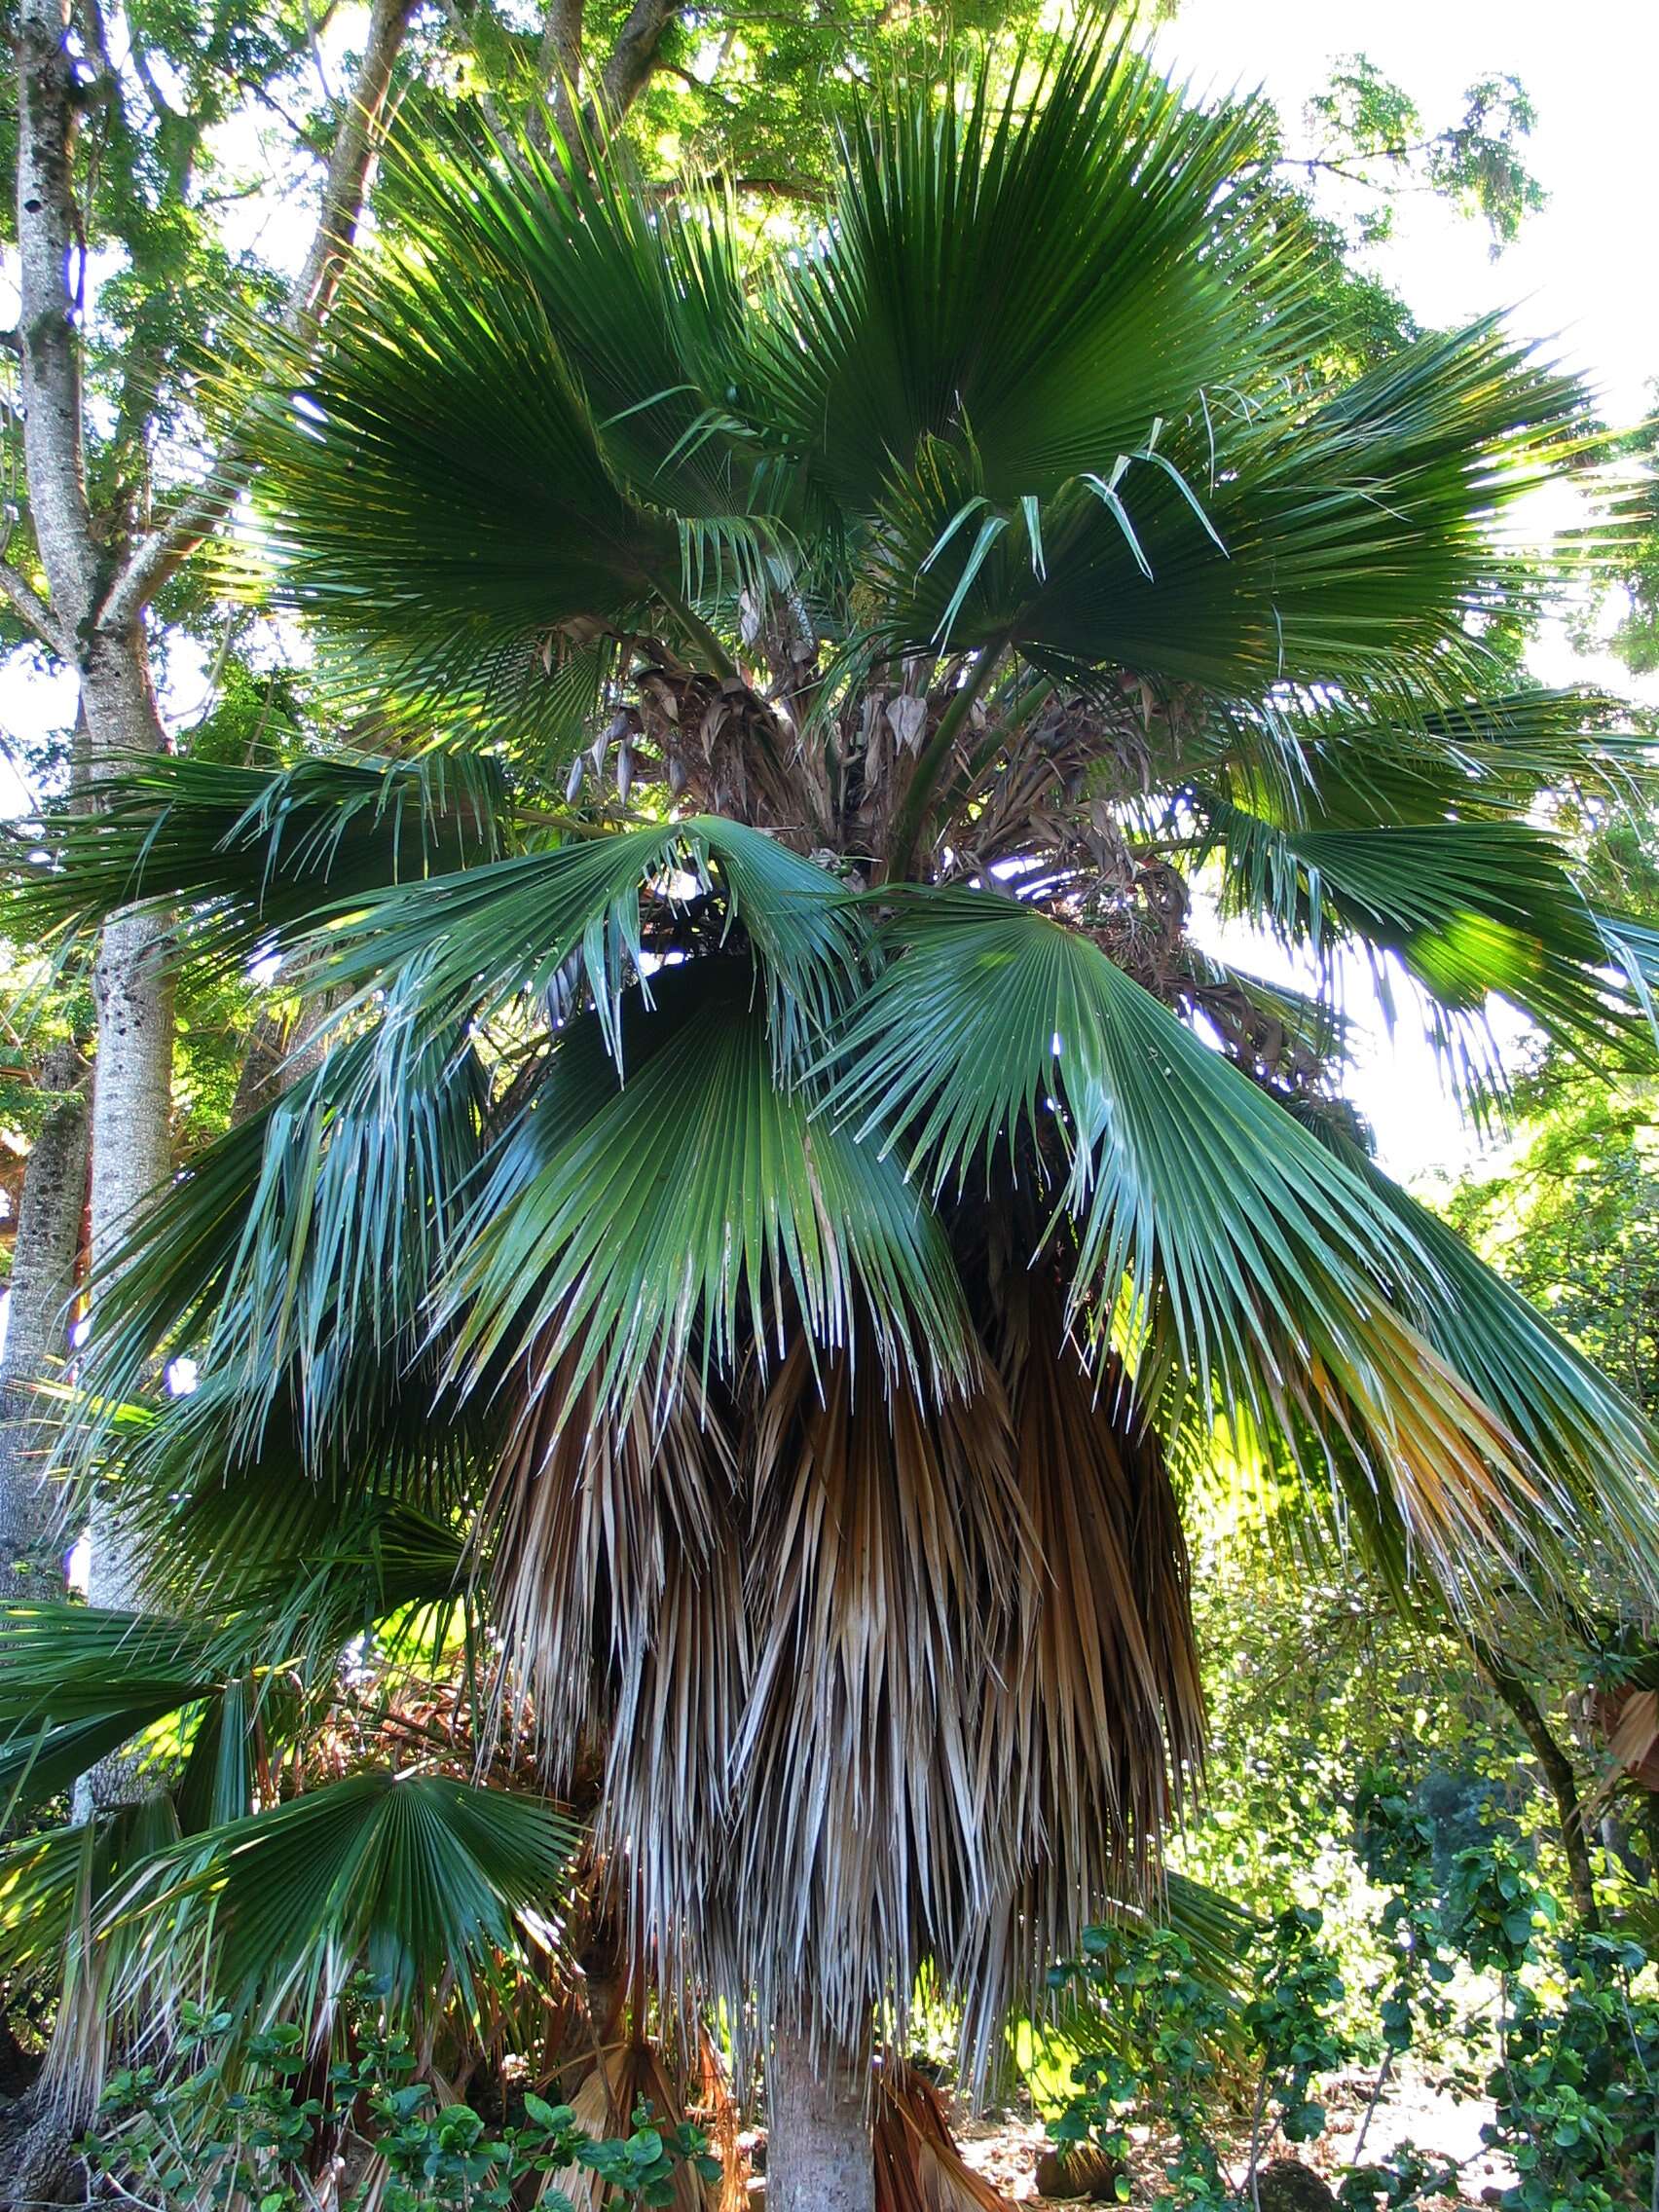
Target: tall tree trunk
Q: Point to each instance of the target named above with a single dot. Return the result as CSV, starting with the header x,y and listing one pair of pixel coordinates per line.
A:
x,y
819,2155
132,990
131,1151
281,1053
42,1283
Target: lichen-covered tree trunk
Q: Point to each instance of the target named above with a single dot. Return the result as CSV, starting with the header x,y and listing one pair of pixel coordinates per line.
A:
x,y
131,1151
43,1282
819,2155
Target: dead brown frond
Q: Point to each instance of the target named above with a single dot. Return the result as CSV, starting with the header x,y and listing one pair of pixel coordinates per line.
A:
x,y
880,1592
919,2166
1100,1712
933,1707
617,1577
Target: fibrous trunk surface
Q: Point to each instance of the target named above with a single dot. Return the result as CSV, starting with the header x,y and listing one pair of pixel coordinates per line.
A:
x,y
818,2140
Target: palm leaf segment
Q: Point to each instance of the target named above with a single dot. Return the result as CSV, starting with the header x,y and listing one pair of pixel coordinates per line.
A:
x,y
893,1224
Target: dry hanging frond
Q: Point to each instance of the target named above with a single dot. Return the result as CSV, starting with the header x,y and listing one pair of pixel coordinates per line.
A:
x,y
1101,1710
918,2166
578,1524
637,2073
617,1585
881,1592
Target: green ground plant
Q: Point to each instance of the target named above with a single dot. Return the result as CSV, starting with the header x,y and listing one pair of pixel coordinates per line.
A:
x,y
1560,2028
250,2122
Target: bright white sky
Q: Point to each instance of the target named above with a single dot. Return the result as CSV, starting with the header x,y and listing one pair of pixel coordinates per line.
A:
x,y
1583,266
1580,276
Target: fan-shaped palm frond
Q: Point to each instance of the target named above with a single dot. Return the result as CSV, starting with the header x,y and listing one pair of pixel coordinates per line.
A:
x,y
669,1219
1036,271
488,935
1232,1255
524,459
300,1246
994,1025
252,851
80,1681
1567,1417
1471,908
54,1887
1490,756
403,1876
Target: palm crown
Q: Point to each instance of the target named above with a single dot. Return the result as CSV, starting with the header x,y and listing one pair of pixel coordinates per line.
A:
x,y
767,1197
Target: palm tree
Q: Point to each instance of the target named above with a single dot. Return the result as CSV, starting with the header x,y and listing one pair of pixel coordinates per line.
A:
x,y
786,1185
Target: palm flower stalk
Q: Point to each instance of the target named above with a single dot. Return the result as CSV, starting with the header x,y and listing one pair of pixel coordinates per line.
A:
x,y
786,1184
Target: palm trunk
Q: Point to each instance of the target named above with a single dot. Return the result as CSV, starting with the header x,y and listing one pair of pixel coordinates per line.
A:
x,y
43,1282
819,2155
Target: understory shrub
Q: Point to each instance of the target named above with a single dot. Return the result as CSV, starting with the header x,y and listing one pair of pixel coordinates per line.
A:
x,y
1566,2049
252,2124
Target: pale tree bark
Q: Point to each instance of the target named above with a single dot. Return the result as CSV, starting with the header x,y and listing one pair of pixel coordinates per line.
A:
x,y
819,2154
117,705
37,1324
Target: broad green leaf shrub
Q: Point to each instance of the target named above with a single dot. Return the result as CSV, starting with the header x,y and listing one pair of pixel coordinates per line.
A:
x,y
252,2126
1568,2052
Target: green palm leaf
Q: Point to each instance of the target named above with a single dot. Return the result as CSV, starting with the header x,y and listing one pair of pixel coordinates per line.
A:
x,y
994,1025
1352,545
1570,1419
79,1680
669,1216
525,400
46,1881
1470,907
1490,757
301,1243
1053,269
1246,1262
481,938
251,851
76,1682
403,1877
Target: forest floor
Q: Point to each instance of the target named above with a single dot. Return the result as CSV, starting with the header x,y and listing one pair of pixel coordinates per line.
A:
x,y
1006,2148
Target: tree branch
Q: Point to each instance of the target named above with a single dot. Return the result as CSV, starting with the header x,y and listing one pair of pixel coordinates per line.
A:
x,y
166,549
501,130
559,69
49,344
634,55
35,611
